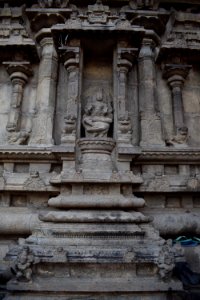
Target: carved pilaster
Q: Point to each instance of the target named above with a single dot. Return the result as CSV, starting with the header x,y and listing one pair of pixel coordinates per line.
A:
x,y
71,62
19,73
124,64
176,75
46,94
150,119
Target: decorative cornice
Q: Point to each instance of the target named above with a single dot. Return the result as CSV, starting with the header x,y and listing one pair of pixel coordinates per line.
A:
x,y
29,153
137,4
190,155
14,35
46,17
181,37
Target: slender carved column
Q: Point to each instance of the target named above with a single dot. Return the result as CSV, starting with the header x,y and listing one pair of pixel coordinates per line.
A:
x,y
46,94
151,133
19,73
176,75
124,64
71,63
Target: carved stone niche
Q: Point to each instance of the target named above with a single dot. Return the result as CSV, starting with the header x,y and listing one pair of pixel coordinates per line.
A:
x,y
96,141
97,90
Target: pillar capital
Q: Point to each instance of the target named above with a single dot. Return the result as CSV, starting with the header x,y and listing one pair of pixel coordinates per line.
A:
x,y
47,45
124,65
147,47
46,41
126,56
149,42
71,57
176,74
19,72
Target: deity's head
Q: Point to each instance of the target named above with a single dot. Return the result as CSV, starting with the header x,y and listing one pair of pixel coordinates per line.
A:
x,y
99,95
23,255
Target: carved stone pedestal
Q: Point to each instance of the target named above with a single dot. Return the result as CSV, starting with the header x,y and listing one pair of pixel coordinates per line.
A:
x,y
96,157
71,257
92,239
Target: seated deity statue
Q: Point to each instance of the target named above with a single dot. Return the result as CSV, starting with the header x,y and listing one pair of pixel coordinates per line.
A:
x,y
97,117
23,265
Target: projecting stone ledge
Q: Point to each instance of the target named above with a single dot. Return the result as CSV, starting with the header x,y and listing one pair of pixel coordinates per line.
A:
x,y
86,201
120,284
93,216
96,177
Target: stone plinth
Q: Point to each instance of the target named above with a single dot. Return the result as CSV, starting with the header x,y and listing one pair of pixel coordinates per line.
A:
x,y
96,160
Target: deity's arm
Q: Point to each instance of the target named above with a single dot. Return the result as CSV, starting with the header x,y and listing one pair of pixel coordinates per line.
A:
x,y
102,119
87,121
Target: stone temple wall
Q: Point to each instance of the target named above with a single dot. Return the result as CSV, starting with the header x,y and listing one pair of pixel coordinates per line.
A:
x,y
99,147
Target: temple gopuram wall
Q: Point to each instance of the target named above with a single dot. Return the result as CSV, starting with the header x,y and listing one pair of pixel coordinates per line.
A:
x,y
99,149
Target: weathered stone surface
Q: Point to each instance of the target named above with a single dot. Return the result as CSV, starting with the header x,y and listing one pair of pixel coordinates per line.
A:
x,y
99,147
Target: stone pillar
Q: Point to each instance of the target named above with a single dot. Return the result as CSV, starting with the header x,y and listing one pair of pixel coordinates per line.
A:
x,y
71,63
124,64
176,75
19,73
151,133
46,94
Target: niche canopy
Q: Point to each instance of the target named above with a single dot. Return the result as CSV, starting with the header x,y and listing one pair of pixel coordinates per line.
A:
x,y
97,19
